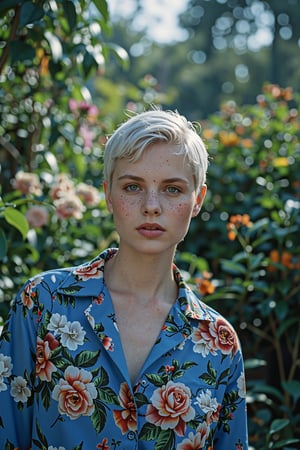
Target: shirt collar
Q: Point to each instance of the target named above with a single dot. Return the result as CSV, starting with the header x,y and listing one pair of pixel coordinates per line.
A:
x,y
86,280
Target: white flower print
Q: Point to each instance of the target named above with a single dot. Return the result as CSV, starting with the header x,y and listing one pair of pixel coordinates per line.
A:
x,y
5,370
202,345
206,402
56,448
57,323
72,335
19,390
89,316
241,384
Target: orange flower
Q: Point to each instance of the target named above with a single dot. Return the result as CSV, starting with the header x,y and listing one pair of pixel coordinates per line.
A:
x,y
204,285
247,143
240,219
279,93
171,407
235,222
44,366
208,133
126,419
228,138
285,259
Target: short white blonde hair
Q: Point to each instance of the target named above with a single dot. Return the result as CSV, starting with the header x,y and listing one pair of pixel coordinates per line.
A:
x,y
142,130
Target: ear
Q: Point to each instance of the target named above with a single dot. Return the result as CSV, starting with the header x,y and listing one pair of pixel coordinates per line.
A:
x,y
199,200
107,196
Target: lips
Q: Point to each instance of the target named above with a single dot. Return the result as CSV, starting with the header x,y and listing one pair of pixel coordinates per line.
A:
x,y
151,226
151,230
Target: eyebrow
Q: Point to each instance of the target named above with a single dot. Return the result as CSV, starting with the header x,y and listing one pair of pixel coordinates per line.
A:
x,y
140,179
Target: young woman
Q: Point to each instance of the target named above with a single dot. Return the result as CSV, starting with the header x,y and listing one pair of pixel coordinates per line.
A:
x,y
119,353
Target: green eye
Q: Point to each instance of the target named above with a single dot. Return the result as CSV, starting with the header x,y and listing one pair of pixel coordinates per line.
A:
x,y
132,188
173,190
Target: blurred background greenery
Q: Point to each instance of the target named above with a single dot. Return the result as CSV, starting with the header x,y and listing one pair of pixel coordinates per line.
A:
x,y
70,70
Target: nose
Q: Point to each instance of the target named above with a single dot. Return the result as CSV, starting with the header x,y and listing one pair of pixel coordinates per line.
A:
x,y
151,204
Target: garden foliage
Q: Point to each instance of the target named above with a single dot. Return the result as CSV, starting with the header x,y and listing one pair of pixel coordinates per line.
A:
x,y
243,256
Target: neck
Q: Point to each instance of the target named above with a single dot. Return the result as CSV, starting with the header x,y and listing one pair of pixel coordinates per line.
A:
x,y
144,279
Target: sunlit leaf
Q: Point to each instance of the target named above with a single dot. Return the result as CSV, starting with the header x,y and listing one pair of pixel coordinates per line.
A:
x,y
102,7
278,425
17,220
55,45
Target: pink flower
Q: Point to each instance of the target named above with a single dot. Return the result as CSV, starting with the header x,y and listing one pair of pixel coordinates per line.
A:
x,y
27,183
92,270
107,343
44,367
126,419
75,393
69,206
195,441
63,186
171,407
88,194
213,336
28,295
37,216
83,107
87,135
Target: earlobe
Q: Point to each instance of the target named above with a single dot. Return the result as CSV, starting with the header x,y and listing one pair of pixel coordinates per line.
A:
x,y
199,200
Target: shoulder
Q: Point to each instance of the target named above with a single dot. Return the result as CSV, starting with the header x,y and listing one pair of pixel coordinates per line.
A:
x,y
77,281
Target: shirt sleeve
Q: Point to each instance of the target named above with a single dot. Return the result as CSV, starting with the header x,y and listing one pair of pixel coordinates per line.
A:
x,y
17,373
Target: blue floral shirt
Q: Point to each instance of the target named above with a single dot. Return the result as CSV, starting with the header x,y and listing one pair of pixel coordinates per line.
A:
x,y
64,384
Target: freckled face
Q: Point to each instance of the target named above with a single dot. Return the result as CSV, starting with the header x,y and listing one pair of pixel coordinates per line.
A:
x,y
153,200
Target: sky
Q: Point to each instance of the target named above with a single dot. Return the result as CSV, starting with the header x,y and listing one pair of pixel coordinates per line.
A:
x,y
159,18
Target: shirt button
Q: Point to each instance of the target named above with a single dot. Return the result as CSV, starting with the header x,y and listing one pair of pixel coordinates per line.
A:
x,y
131,435
143,383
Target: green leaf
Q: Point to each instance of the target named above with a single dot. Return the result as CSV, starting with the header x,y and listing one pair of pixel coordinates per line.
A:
x,y
233,267
282,444
17,220
278,424
3,244
149,432
253,363
155,379
188,365
21,51
293,388
208,379
87,358
70,14
30,13
121,54
103,378
5,4
107,395
256,260
140,399
99,417
102,7
165,439
88,63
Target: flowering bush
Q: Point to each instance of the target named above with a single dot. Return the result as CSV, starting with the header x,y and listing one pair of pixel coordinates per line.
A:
x,y
52,210
251,245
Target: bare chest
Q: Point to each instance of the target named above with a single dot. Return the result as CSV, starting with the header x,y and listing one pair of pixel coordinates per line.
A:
x,y
139,330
